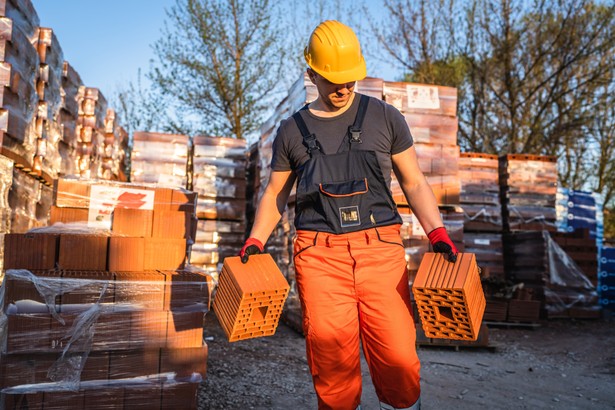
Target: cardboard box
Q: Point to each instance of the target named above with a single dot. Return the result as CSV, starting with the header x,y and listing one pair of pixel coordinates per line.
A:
x,y
132,222
32,251
164,254
67,215
83,252
126,253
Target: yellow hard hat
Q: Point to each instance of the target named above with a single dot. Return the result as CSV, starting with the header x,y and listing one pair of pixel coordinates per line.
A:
x,y
334,52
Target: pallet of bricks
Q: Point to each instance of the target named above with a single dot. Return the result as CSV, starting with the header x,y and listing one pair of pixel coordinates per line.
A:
x,y
547,282
99,309
218,172
482,226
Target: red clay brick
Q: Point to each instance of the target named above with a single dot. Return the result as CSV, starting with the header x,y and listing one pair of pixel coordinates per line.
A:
x,y
449,297
250,297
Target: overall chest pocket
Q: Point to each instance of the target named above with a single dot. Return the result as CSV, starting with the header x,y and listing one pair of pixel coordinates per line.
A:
x,y
345,188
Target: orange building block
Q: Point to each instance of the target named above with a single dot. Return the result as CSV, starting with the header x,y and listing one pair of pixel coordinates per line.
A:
x,y
249,298
449,297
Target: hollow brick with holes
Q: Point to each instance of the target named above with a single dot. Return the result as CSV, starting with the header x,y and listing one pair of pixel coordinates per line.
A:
x,y
449,297
250,297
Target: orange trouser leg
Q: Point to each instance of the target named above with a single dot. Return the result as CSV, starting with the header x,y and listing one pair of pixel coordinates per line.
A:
x,y
355,285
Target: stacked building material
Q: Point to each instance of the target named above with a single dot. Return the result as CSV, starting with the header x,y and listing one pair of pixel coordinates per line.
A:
x,y
480,200
105,318
115,144
606,278
219,178
582,250
6,181
159,158
68,117
90,132
47,159
19,64
431,114
528,188
549,276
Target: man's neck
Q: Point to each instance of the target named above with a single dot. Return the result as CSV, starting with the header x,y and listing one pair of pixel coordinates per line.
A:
x,y
320,109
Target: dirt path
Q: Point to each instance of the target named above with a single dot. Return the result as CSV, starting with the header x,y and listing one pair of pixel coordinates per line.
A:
x,y
559,365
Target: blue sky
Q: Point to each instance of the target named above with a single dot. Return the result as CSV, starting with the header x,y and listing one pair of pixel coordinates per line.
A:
x,y
107,41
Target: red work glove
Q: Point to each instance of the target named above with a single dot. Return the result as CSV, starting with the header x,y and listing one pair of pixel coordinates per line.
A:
x,y
252,247
441,243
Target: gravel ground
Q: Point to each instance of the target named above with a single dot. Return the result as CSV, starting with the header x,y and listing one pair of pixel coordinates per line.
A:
x,y
563,364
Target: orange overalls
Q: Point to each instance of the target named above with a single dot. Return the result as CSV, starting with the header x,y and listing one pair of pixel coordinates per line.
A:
x,y
352,279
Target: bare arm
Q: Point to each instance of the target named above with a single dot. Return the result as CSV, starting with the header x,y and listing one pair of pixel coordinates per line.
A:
x,y
272,204
418,193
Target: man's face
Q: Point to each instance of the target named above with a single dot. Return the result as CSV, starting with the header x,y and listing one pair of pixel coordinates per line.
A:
x,y
334,96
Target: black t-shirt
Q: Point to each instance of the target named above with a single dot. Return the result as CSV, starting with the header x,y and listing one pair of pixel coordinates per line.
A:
x,y
384,131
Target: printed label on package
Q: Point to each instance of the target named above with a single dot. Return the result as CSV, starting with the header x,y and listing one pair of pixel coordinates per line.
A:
x,y
104,199
423,97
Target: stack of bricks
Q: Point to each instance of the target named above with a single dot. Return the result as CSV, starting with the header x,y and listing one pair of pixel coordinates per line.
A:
x,y
582,249
528,188
250,297
159,158
480,200
68,117
105,318
431,114
48,131
20,64
90,132
6,181
449,297
115,143
219,178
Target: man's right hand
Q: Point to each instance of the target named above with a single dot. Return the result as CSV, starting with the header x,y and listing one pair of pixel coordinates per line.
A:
x,y
252,246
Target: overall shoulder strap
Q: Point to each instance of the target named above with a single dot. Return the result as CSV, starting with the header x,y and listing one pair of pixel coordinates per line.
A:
x,y
354,131
308,138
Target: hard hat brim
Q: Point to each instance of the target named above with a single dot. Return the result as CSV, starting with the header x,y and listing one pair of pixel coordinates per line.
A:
x,y
356,74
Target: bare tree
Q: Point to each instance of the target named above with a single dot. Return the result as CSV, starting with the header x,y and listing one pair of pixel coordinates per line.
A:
x,y
221,61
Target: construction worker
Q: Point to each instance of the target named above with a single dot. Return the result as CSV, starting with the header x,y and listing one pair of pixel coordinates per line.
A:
x,y
349,257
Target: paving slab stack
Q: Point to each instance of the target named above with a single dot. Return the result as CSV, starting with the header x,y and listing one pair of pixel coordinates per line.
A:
x,y
219,178
100,310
